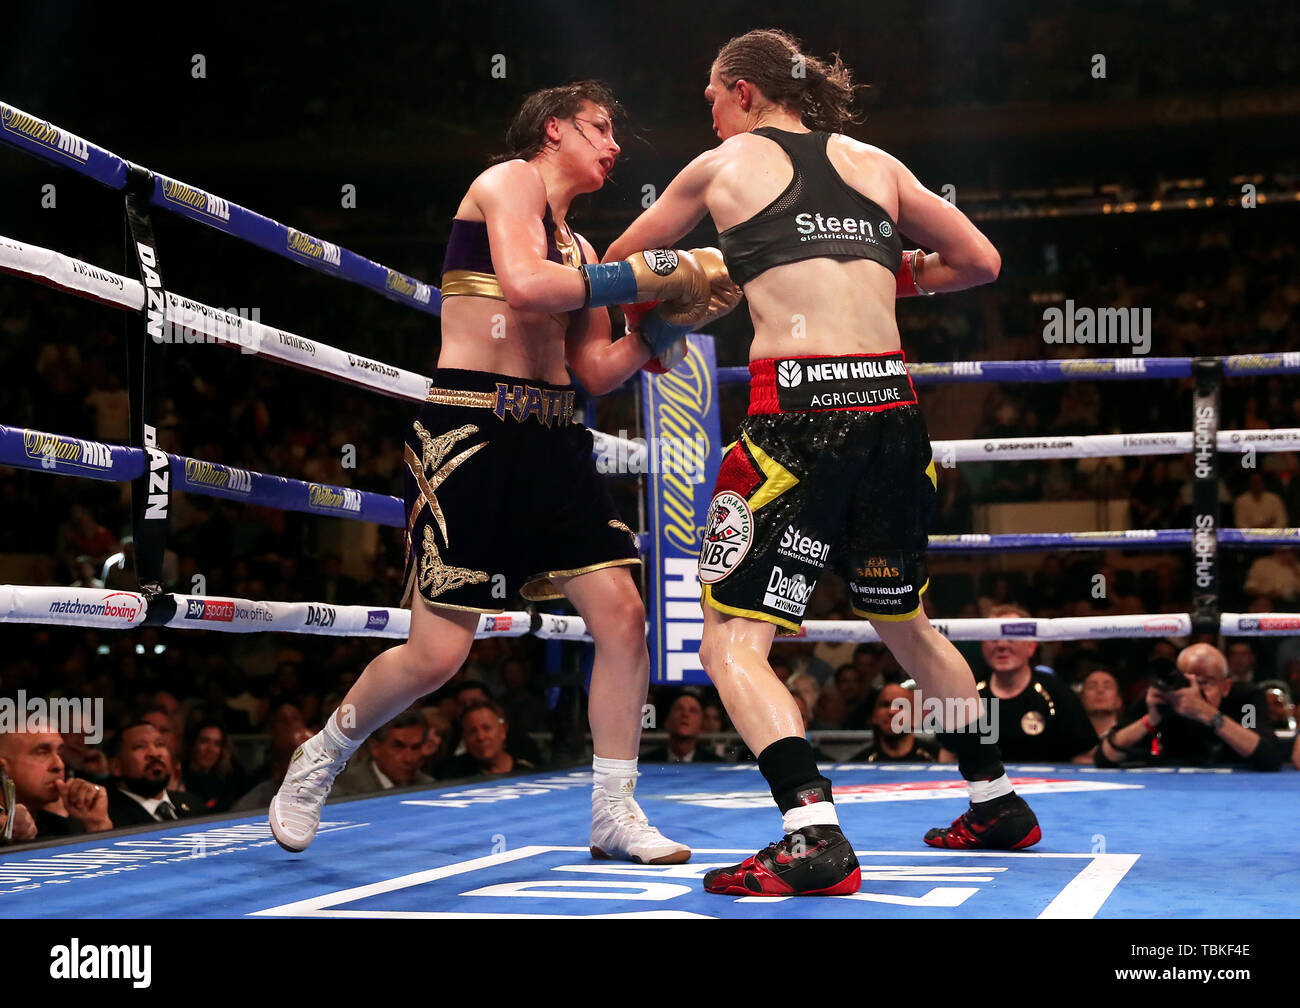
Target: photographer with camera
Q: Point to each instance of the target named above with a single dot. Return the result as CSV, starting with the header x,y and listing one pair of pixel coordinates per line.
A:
x,y
1195,715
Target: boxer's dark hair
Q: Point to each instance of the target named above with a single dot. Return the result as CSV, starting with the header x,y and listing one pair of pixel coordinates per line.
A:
x,y
526,137
821,93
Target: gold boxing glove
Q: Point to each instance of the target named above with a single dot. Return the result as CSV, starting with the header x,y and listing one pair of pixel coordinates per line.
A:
x,y
653,275
721,297
669,276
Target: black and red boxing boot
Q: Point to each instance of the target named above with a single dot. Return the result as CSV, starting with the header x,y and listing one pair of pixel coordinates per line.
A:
x,y
1005,823
813,861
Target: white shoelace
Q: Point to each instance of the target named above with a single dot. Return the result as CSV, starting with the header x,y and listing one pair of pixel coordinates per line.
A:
x,y
323,774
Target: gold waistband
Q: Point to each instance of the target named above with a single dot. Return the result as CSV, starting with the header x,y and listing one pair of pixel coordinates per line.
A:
x,y
459,397
471,282
519,401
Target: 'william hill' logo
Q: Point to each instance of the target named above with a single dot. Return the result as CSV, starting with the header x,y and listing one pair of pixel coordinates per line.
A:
x,y
681,404
39,131
209,474
334,498
305,245
399,283
52,449
196,199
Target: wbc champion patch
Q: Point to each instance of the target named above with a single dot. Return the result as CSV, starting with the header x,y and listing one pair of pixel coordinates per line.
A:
x,y
727,536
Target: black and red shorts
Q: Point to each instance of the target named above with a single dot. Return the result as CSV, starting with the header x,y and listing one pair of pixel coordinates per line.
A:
x,y
832,466
502,494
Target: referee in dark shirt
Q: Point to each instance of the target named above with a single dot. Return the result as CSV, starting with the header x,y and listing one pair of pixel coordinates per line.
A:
x,y
1037,717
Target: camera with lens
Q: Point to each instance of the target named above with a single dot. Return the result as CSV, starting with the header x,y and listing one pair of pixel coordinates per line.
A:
x,y
1166,676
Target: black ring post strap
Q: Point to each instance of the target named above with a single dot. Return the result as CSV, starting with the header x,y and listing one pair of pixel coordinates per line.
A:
x,y
151,491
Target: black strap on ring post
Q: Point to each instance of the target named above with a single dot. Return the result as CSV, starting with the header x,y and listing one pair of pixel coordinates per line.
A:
x,y
1208,372
151,491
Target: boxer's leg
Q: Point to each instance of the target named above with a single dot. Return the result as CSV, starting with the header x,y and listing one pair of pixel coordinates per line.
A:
x,y
998,818
887,538
610,604
439,641
814,857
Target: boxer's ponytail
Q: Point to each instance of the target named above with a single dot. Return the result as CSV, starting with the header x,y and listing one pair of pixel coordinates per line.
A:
x,y
821,93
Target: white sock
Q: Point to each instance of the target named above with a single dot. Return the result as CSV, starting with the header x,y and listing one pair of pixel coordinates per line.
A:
x,y
820,813
332,736
987,790
616,776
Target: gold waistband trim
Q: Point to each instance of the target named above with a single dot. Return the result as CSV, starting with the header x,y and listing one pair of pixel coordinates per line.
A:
x,y
456,282
549,406
459,397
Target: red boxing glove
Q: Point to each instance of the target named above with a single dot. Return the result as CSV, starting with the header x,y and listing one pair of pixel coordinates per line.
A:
x,y
907,285
634,313
669,359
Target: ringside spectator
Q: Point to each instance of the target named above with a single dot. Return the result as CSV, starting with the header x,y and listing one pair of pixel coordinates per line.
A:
x,y
684,725
1039,719
1102,701
483,727
210,771
893,740
58,806
141,766
1208,721
393,755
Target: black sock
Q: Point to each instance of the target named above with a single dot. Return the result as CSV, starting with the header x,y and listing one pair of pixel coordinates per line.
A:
x,y
792,774
977,758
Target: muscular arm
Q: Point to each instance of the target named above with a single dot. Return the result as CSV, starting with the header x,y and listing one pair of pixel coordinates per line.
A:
x,y
672,215
962,256
513,200
601,365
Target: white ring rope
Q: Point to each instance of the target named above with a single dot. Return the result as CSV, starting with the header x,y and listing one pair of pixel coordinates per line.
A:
x,y
111,609
253,337
108,609
1101,445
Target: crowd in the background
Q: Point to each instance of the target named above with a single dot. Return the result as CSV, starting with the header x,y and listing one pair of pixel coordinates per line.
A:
x,y
207,722
1235,287
973,57
169,744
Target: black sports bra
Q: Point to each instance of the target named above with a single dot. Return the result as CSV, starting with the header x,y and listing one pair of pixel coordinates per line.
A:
x,y
818,214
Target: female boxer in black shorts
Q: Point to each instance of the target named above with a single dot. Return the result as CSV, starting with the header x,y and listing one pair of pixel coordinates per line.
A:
x,y
833,464
502,493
